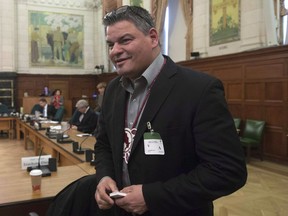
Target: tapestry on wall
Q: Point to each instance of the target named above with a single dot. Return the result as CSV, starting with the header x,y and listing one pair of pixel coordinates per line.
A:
x,y
56,39
224,21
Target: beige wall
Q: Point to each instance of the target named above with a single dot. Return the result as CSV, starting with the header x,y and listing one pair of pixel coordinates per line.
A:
x,y
8,36
15,45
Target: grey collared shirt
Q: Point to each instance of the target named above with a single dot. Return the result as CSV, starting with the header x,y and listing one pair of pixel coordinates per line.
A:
x,y
139,94
138,90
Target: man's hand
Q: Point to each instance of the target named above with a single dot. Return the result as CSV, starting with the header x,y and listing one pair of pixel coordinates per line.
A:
x,y
134,201
105,186
74,127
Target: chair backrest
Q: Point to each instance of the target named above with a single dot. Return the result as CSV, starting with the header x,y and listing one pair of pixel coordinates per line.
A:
x,y
237,122
59,114
3,109
254,129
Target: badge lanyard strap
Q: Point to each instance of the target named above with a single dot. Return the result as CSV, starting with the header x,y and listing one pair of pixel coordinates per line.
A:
x,y
144,101
142,106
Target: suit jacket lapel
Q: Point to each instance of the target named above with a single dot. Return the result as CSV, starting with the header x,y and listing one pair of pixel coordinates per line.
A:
x,y
119,121
159,92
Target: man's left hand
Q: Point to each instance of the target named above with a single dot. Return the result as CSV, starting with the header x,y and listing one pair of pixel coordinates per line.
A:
x,y
134,201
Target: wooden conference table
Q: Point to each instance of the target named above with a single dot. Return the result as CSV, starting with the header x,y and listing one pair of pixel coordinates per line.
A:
x,y
7,125
63,152
16,196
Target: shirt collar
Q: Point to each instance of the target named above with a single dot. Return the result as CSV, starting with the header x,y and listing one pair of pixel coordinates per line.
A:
x,y
86,110
149,74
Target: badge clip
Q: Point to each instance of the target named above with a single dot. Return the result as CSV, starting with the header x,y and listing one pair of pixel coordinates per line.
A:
x,y
149,126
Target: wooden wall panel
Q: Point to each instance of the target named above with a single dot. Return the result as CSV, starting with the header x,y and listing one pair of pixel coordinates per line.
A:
x,y
232,73
236,109
274,91
253,91
274,116
272,69
74,85
234,91
253,112
255,86
274,145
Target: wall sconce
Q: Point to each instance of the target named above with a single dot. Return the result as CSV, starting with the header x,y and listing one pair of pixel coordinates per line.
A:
x,y
196,55
101,67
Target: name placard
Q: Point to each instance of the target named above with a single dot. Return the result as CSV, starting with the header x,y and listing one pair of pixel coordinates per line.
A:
x,y
33,161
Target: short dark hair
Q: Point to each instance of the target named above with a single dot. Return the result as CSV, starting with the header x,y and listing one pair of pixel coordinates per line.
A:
x,y
139,16
54,92
43,100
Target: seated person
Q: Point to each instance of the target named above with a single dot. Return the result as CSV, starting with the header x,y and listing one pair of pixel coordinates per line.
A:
x,y
101,89
57,99
44,108
84,118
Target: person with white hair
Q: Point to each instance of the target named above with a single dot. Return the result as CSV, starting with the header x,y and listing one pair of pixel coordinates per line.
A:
x,y
84,118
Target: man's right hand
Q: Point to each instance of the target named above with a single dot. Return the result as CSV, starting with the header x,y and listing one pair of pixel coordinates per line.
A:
x,y
103,199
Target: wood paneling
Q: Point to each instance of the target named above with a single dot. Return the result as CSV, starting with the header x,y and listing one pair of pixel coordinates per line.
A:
x,y
72,86
255,84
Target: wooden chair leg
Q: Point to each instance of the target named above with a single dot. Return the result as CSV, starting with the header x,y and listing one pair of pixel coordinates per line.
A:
x,y
260,153
248,152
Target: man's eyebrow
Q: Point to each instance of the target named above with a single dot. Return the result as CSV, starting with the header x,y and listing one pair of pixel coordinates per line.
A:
x,y
121,38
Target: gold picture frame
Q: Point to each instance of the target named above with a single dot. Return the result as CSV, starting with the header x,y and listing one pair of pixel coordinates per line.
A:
x,y
224,21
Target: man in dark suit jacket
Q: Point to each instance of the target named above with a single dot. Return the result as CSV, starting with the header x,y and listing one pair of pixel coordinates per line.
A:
x,y
45,109
165,136
84,119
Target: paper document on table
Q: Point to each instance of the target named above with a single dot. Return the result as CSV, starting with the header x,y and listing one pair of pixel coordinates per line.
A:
x,y
57,127
48,122
83,135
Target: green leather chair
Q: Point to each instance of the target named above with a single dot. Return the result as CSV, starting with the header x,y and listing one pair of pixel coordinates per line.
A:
x,y
59,114
237,122
252,137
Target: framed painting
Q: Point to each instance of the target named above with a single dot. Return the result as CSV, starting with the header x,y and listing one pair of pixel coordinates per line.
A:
x,y
56,40
136,3
224,21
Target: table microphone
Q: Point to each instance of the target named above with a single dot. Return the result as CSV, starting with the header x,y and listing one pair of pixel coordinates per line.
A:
x,y
60,137
45,170
79,150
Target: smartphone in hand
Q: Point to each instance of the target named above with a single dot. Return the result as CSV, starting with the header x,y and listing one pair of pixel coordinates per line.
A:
x,y
117,194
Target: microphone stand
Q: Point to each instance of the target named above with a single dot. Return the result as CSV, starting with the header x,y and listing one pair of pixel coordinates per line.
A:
x,y
45,170
79,150
60,137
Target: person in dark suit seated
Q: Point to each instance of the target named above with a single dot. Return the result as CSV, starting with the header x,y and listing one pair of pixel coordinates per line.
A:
x,y
46,110
84,119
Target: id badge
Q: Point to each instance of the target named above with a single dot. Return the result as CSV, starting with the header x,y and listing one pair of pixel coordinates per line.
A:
x,y
153,144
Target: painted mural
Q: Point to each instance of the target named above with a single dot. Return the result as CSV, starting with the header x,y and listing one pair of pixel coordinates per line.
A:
x,y
224,21
56,39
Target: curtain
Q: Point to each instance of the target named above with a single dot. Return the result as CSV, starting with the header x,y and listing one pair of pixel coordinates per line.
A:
x,y
283,15
187,8
283,10
110,5
158,13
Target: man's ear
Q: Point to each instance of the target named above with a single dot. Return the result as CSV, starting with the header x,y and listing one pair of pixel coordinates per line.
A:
x,y
154,36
